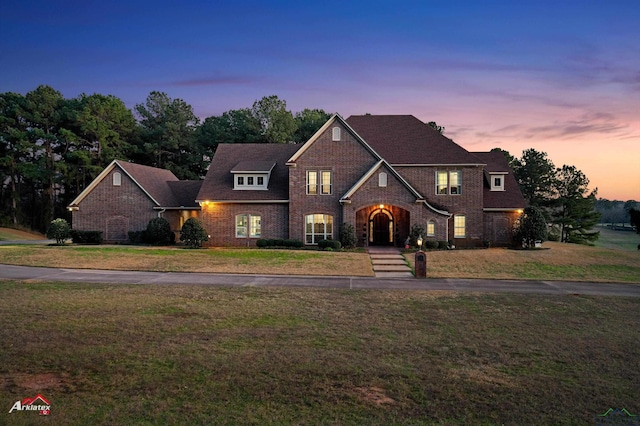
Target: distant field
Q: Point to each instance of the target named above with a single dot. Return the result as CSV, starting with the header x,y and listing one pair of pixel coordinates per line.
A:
x,y
621,240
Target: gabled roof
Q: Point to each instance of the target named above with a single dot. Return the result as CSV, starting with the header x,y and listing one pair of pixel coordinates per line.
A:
x,y
405,140
218,184
509,199
383,164
331,122
151,180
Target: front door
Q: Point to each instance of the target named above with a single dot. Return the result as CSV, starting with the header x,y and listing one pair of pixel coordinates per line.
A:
x,y
381,228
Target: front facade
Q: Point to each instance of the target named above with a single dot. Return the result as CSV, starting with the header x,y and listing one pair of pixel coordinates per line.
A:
x,y
381,174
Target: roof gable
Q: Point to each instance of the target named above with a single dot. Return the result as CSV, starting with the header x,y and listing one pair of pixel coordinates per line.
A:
x,y
509,199
151,180
405,140
218,183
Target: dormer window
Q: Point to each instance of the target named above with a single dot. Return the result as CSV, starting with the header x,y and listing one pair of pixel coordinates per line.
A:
x,y
497,181
252,175
335,134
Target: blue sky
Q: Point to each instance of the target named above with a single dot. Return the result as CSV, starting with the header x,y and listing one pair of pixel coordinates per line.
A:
x,y
559,76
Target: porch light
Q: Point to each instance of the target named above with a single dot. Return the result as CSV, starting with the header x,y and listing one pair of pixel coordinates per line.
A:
x,y
381,206
419,242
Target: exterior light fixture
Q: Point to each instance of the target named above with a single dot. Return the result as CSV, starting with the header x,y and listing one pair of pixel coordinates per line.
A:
x,y
419,242
381,206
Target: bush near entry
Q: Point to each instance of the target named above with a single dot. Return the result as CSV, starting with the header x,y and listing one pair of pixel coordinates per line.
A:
x,y
59,230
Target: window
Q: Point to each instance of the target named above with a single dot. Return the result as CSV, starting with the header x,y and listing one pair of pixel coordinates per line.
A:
x,y
497,182
260,181
250,180
382,180
117,179
240,180
315,187
326,183
459,226
335,134
449,182
431,229
312,182
318,227
250,223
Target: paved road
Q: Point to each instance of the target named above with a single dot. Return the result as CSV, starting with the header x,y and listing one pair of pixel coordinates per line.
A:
x,y
236,280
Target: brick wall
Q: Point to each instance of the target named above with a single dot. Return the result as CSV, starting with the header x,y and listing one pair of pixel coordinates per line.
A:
x,y
347,160
114,210
219,219
498,227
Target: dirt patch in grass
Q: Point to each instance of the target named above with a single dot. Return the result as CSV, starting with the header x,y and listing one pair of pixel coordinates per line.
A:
x,y
104,354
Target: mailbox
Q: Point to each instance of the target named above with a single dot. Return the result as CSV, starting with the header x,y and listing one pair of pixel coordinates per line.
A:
x,y
421,264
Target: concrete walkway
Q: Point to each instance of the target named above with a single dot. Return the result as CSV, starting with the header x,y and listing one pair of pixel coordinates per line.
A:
x,y
388,262
86,276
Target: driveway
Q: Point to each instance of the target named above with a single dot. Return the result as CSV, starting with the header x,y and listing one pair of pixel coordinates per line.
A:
x,y
11,272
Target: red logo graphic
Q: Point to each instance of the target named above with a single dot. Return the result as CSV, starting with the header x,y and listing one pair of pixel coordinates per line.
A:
x,y
37,403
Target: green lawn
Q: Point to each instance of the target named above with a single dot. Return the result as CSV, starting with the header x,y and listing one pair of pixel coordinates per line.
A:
x,y
620,240
105,354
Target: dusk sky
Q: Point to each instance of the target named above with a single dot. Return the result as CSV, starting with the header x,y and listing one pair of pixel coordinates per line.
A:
x,y
561,77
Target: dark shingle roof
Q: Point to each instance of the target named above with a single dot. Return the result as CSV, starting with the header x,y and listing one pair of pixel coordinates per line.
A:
x,y
185,192
253,166
403,139
218,184
511,197
152,180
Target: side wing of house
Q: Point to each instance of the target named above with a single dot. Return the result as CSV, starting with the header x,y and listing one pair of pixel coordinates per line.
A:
x,y
503,200
245,195
122,198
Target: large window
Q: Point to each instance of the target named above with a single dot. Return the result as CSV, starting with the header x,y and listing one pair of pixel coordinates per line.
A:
x,y
318,227
322,186
251,224
459,226
449,182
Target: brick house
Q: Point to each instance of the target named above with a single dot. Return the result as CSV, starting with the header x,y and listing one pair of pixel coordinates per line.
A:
x,y
382,174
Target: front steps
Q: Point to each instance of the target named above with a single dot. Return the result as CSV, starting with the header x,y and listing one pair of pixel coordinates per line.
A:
x,y
388,262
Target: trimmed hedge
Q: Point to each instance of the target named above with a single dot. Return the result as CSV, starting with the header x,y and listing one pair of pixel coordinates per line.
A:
x,y
332,244
431,245
443,245
86,237
278,242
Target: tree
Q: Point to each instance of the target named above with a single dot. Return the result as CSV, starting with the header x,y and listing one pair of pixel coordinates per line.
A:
x,y
308,122
166,139
574,209
530,227
634,218
511,160
233,126
348,235
434,126
193,233
58,230
536,176
276,123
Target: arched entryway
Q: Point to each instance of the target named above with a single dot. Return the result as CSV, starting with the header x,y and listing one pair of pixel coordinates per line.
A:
x,y
381,227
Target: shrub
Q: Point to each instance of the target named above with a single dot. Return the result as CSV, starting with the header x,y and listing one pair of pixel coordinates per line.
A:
x,y
193,233
58,230
348,235
443,245
278,242
417,230
137,237
431,244
261,243
86,237
531,227
159,232
329,244
293,243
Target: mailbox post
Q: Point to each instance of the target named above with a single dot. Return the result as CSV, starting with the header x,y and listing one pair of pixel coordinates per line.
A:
x,y
420,261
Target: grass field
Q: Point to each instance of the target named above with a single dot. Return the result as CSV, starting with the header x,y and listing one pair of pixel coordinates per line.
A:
x,y
104,354
617,240
9,234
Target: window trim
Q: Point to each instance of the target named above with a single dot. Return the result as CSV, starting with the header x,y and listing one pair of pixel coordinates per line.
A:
x,y
117,179
445,186
457,226
316,185
249,226
431,228
336,134
382,180
493,177
327,219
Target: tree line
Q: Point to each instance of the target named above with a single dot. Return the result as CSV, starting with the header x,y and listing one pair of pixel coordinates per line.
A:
x,y
52,147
